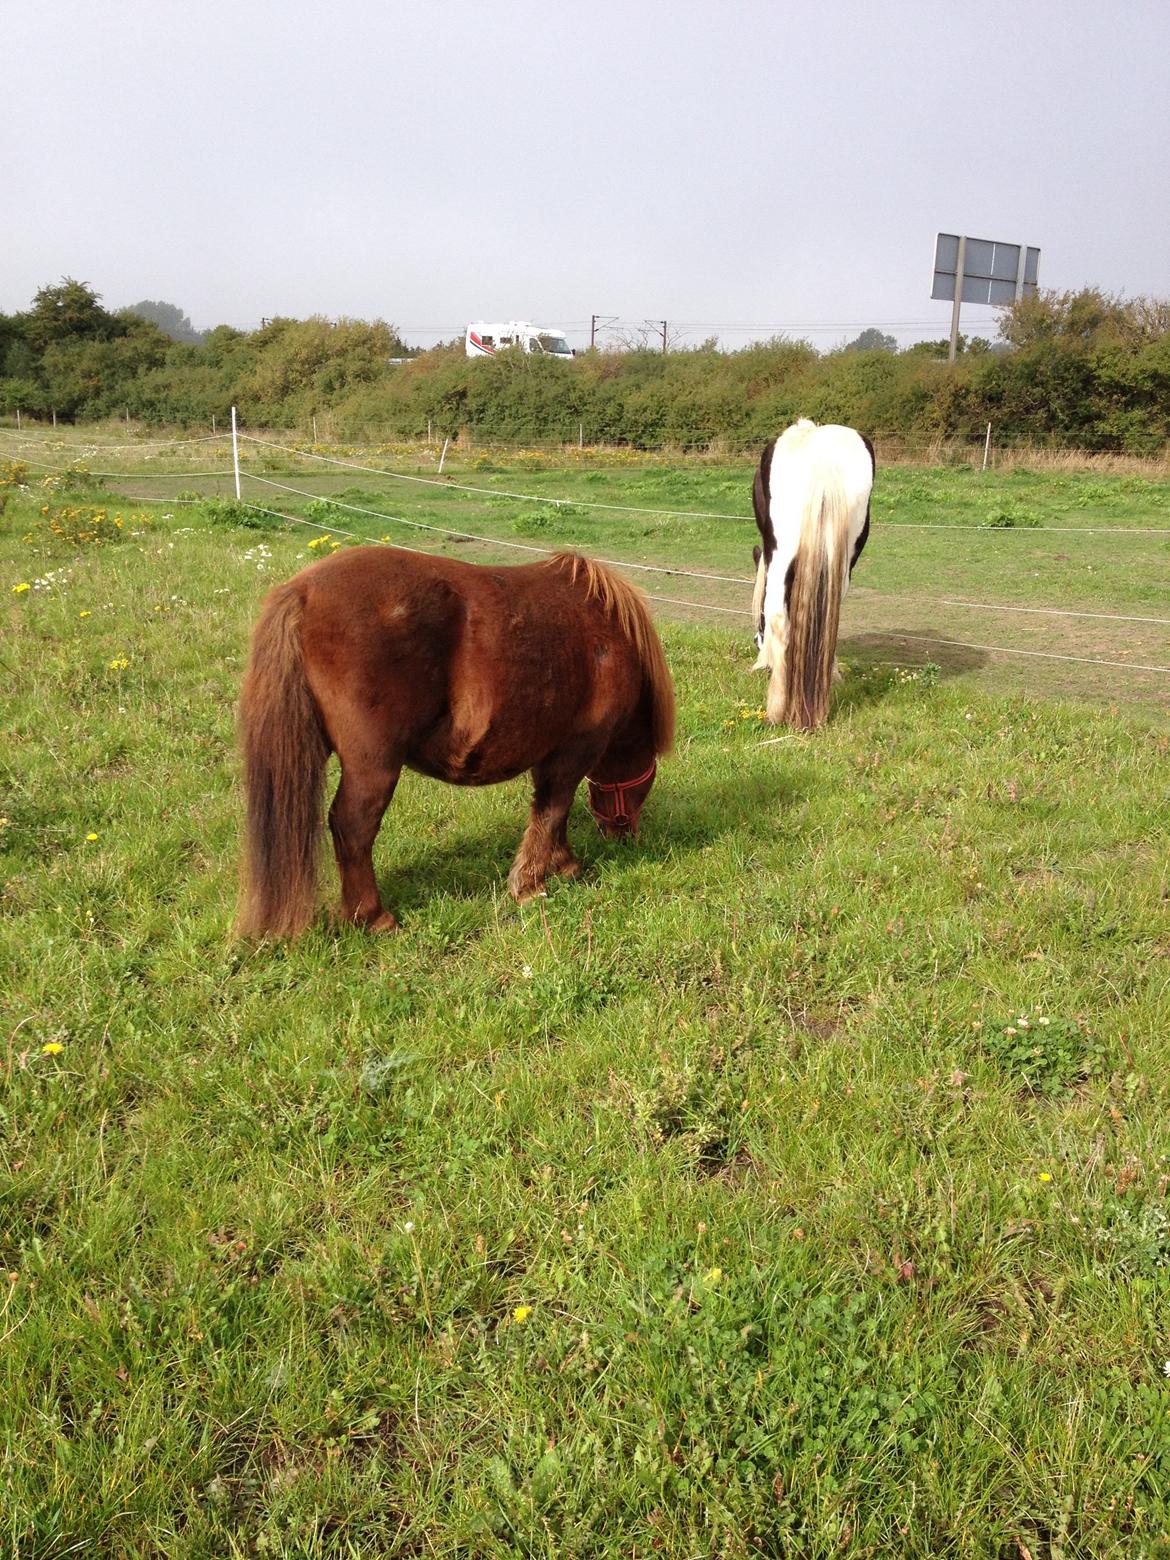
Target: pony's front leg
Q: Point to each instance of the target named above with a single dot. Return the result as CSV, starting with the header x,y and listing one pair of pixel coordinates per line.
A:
x,y
354,818
562,861
545,847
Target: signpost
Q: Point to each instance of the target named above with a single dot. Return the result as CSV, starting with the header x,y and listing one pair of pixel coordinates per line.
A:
x,y
978,270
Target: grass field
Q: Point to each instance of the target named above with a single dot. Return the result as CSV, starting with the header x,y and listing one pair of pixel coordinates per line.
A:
x,y
795,1184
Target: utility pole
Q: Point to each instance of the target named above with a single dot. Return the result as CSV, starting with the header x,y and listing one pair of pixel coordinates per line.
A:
x,y
660,326
594,321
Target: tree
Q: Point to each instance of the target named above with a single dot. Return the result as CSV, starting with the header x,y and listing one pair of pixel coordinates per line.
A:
x,y
67,312
169,318
871,340
1088,318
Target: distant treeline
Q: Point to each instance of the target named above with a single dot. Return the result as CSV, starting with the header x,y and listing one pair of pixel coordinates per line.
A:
x,y
1075,369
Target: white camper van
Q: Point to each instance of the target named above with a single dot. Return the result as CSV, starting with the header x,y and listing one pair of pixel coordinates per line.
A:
x,y
485,338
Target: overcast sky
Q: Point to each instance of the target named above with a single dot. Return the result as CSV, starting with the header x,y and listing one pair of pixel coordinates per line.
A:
x,y
778,167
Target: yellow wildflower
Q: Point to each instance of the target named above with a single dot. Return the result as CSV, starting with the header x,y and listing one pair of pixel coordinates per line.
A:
x,y
84,614
1044,1176
713,1275
19,590
521,1314
52,1048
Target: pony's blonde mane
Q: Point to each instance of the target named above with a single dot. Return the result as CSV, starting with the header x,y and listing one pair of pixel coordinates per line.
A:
x,y
626,605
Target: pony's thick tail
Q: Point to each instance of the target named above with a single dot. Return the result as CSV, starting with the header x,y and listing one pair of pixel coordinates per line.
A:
x,y
285,752
814,605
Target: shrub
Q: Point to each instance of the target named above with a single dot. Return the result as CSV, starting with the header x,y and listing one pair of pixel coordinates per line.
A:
x,y
237,516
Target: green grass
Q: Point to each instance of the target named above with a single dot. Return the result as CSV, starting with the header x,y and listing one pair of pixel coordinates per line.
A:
x,y
957,553
822,1255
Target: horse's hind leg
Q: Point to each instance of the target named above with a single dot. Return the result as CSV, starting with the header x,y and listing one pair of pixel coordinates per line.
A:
x,y
776,644
354,818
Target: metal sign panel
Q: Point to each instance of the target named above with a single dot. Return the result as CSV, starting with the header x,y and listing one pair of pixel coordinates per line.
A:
x,y
992,273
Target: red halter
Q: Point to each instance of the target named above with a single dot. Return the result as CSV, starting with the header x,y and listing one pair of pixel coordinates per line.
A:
x,y
617,789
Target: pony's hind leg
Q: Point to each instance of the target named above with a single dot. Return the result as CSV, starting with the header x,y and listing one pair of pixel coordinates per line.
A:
x,y
354,818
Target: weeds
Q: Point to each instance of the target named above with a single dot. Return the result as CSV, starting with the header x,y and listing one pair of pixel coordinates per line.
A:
x,y
1044,1055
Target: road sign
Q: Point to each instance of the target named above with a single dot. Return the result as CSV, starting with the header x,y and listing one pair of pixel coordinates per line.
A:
x,y
992,273
979,270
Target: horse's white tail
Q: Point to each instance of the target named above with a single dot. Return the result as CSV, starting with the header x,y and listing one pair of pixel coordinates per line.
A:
x,y
799,689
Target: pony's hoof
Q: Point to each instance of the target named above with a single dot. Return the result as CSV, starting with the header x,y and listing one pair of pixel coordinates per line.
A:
x,y
569,869
525,893
382,923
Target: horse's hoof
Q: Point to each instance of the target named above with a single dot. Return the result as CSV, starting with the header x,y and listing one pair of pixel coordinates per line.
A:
x,y
525,896
571,869
382,923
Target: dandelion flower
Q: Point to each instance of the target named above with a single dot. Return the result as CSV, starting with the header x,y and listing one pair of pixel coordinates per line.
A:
x,y
84,614
19,590
521,1314
713,1275
91,836
1044,1176
52,1048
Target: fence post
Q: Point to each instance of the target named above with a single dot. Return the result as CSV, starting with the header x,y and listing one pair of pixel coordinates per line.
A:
x,y
314,429
443,456
18,419
986,446
213,423
235,455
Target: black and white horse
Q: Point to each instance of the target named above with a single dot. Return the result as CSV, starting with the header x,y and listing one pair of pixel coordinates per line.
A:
x,y
811,497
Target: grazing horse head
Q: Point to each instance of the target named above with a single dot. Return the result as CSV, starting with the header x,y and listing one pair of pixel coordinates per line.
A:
x,y
617,805
811,500
620,780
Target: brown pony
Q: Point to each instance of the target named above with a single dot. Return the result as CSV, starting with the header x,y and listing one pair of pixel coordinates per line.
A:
x,y
465,673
